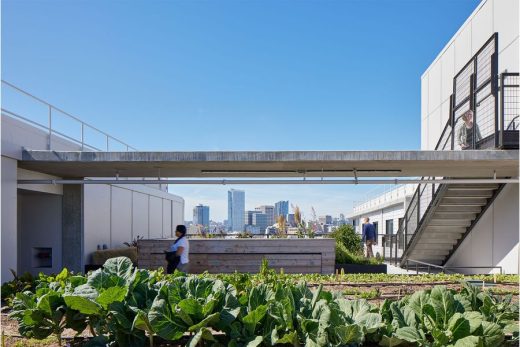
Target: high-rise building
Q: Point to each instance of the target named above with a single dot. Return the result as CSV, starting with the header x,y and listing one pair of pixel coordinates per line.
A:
x,y
281,208
269,211
325,220
290,219
236,208
201,215
260,220
248,217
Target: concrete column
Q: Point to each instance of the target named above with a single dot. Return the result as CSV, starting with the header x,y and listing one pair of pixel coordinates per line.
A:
x,y
73,227
9,239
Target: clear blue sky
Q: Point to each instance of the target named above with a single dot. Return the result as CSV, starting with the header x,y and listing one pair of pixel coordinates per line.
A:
x,y
235,75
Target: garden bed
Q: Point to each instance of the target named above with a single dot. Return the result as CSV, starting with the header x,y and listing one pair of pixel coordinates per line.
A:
x,y
133,307
361,268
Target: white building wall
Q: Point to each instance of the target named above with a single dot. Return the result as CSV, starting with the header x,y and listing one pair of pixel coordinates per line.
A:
x,y
494,240
113,214
381,216
490,16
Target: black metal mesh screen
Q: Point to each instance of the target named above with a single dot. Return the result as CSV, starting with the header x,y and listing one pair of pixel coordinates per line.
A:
x,y
485,112
484,63
511,104
459,123
463,84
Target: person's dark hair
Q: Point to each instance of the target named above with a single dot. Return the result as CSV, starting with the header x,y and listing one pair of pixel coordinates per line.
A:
x,y
181,228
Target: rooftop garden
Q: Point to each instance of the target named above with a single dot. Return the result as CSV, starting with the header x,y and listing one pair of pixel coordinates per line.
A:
x,y
121,305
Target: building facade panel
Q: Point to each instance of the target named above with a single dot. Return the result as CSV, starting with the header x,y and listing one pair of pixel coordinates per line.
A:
x,y
155,221
509,57
434,87
505,21
434,128
97,219
120,219
463,50
167,218
140,215
448,71
424,96
481,25
494,240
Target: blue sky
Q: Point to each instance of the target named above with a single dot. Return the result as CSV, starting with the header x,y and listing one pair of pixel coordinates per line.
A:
x,y
236,75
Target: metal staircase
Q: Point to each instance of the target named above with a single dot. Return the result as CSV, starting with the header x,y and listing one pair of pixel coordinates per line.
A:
x,y
449,218
440,216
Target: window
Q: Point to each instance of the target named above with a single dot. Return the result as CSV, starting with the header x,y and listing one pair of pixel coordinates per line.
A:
x,y
376,227
389,226
400,223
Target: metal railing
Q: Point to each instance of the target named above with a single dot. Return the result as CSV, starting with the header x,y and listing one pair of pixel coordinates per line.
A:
x,y
476,88
510,109
444,268
56,122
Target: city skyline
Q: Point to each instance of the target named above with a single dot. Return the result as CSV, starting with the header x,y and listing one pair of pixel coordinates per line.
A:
x,y
255,198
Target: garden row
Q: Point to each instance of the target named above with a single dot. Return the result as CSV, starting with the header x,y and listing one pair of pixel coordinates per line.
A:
x,y
124,306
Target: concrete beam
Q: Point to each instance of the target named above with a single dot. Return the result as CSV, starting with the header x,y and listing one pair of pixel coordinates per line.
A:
x,y
455,164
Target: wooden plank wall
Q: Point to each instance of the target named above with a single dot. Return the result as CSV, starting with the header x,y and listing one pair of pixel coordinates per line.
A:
x,y
245,255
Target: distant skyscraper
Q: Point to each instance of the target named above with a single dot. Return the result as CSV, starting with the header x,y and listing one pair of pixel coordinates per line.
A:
x,y
269,211
290,219
260,220
281,208
236,208
325,220
248,217
201,215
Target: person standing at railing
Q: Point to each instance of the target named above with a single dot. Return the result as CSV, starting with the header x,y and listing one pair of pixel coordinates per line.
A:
x,y
465,131
369,236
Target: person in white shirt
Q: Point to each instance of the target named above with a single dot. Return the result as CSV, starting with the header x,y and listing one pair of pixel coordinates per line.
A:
x,y
181,247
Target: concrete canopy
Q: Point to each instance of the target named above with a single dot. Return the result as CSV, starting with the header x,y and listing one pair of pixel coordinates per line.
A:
x,y
455,164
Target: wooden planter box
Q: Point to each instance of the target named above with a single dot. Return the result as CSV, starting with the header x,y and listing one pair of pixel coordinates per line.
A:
x,y
362,269
245,255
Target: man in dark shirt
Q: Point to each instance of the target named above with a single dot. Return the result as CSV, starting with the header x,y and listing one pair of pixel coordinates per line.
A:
x,y
369,236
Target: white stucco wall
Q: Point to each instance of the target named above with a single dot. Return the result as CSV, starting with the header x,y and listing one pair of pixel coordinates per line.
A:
x,y
494,240
490,16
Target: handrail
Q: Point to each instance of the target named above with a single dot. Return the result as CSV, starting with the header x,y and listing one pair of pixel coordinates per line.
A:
x,y
419,209
52,131
444,267
512,122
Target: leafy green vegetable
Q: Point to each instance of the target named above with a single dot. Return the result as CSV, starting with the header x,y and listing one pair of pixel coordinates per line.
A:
x,y
125,306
